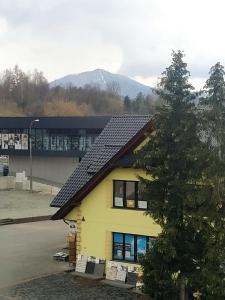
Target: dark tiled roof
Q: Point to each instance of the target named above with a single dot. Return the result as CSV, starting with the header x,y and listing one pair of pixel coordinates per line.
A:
x,y
117,133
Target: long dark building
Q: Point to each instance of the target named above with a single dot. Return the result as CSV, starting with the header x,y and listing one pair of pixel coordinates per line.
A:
x,y
58,143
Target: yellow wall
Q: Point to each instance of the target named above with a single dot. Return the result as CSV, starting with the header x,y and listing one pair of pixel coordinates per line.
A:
x,y
101,219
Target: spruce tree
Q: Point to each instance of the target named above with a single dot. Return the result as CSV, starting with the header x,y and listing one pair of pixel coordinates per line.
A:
x,y
180,194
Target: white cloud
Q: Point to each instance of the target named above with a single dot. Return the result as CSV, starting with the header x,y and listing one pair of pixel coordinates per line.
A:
x,y
134,37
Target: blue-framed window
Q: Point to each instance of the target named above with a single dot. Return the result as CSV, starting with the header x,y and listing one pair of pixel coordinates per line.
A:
x,y
127,194
129,247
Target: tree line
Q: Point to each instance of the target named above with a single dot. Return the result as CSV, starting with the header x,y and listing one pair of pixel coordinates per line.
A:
x,y
185,158
29,94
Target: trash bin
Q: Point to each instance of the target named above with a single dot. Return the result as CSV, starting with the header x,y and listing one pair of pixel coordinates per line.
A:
x,y
5,171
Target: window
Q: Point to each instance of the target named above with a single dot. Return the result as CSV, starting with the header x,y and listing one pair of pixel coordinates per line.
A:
x,y
74,142
38,139
130,247
142,204
127,194
45,140
67,143
60,142
53,142
118,193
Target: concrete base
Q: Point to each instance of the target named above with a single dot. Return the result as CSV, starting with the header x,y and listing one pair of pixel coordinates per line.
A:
x,y
7,182
86,276
117,284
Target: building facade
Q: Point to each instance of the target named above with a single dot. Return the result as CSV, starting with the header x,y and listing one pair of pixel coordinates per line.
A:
x,y
103,195
58,143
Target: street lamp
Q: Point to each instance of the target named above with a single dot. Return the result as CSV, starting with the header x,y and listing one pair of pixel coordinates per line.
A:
x,y
30,141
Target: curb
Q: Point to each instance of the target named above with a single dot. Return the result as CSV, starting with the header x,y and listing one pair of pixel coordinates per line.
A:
x,y
9,221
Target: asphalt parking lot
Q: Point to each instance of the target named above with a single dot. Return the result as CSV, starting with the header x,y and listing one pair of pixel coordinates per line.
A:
x,y
26,250
22,204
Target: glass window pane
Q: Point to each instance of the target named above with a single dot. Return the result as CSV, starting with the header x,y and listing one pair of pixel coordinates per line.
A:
x,y
53,142
141,245
141,203
18,141
25,141
60,142
88,142
74,142
5,140
129,247
130,194
32,135
11,143
38,139
118,193
82,143
45,140
118,246
67,143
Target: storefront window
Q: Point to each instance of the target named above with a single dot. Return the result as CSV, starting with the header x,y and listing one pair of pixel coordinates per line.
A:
x,y
74,142
67,143
38,137
82,143
53,142
32,135
60,143
45,140
88,142
11,140
18,141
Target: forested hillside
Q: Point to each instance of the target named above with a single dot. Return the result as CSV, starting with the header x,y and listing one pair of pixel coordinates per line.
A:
x,y
28,93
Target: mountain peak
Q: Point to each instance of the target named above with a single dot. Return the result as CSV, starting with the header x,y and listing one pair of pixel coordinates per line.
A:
x,y
102,79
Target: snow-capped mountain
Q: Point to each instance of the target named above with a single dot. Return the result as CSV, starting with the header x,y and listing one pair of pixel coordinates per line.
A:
x,y
104,80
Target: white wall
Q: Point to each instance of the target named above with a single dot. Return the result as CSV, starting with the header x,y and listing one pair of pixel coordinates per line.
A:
x,y
54,169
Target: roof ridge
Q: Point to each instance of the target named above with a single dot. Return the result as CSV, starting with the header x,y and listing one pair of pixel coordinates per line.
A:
x,y
132,116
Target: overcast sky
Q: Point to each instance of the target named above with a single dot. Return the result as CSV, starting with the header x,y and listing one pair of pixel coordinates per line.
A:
x,y
131,37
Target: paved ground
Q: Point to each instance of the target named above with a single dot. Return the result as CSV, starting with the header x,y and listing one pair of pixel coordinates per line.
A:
x,y
20,204
65,287
26,250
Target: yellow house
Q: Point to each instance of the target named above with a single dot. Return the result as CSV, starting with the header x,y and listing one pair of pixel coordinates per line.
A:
x,y
102,195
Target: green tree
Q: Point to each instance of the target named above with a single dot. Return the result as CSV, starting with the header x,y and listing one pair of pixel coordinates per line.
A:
x,y
212,108
181,196
127,104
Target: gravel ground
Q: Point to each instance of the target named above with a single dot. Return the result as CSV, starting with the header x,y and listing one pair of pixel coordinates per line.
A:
x,y
64,286
21,204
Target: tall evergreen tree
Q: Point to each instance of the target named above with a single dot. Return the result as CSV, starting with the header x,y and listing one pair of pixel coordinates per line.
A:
x,y
127,104
181,195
